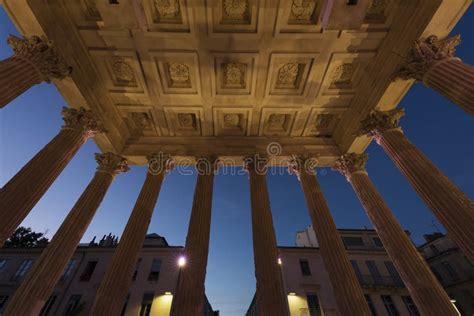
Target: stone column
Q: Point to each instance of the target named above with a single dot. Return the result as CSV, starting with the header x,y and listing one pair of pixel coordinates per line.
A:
x,y
40,281
271,296
116,282
424,288
432,62
347,291
450,205
189,297
24,190
35,60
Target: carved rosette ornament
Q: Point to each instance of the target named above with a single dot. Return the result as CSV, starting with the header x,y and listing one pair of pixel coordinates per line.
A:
x,y
160,163
378,122
111,163
235,9
351,163
167,9
425,54
42,55
83,121
303,9
288,74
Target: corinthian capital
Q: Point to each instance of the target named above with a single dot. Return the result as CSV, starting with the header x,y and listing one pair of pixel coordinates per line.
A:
x,y
206,165
82,120
351,163
300,164
111,163
425,53
42,54
379,121
257,163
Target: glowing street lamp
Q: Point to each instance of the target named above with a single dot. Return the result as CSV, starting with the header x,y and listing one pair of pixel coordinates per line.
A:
x,y
279,261
181,261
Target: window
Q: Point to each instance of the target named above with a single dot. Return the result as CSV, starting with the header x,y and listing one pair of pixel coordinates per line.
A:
x,y
73,305
393,273
68,270
136,269
449,269
356,270
147,301
374,272
3,300
368,299
3,264
389,305
304,265
24,267
48,305
377,242
353,241
155,270
88,271
313,304
410,306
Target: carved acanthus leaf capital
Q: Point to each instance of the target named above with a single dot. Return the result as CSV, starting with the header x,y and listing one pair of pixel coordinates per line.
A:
x,y
111,163
82,120
160,163
425,53
350,163
379,121
257,163
206,165
299,164
42,54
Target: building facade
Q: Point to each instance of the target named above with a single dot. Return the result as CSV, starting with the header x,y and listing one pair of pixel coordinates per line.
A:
x,y
154,280
382,286
308,286
452,268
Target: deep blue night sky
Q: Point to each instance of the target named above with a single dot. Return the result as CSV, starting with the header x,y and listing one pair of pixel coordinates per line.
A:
x,y
438,127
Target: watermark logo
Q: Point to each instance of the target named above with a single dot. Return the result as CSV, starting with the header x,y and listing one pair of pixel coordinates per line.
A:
x,y
279,165
274,149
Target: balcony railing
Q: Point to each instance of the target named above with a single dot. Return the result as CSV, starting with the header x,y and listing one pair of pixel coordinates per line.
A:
x,y
380,281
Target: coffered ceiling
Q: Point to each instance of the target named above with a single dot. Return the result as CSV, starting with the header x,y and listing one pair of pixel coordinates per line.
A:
x,y
228,77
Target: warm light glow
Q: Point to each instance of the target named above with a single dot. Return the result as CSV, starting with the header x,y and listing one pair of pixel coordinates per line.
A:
x,y
181,261
291,294
279,261
168,293
455,307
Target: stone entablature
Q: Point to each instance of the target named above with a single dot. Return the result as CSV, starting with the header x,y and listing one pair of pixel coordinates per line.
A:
x,y
226,77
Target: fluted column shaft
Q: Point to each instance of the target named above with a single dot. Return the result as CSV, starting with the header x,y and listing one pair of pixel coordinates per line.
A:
x,y
40,281
25,189
455,80
433,62
271,296
449,204
424,288
347,291
16,76
35,60
115,284
189,297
